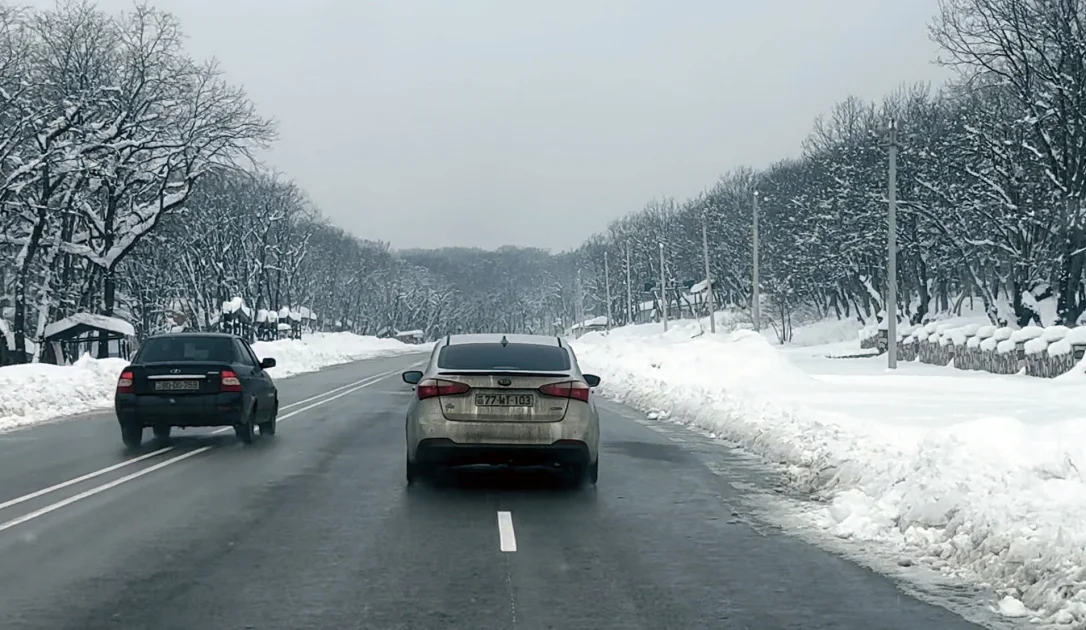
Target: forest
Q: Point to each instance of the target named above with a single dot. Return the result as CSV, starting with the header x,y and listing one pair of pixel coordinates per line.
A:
x,y
129,187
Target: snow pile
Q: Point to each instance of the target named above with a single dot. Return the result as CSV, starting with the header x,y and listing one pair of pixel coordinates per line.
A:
x,y
822,332
37,392
319,350
976,475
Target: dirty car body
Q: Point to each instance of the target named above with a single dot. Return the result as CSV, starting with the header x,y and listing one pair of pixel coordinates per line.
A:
x,y
502,400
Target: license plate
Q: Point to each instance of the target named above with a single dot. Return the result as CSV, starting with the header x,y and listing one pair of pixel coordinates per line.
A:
x,y
504,400
176,386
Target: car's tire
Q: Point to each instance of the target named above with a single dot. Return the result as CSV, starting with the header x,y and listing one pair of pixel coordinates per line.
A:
x,y
268,428
412,472
594,471
162,431
246,431
132,435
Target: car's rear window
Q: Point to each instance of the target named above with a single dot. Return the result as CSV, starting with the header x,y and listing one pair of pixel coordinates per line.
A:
x,y
187,348
514,357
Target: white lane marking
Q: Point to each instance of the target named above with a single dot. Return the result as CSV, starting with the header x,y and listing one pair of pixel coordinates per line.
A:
x,y
356,386
97,489
97,473
90,475
505,532
338,389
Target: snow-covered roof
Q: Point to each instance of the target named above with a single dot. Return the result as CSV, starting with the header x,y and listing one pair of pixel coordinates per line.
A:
x,y
283,326
699,287
284,313
588,323
1027,333
1076,336
410,333
1036,345
112,324
264,316
235,305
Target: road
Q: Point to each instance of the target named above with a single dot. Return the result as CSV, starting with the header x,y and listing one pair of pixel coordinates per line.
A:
x,y
315,528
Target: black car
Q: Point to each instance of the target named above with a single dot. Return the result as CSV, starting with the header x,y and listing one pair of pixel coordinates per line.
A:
x,y
196,380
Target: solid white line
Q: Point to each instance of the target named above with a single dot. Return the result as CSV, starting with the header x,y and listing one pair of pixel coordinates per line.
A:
x,y
102,488
505,532
90,475
97,473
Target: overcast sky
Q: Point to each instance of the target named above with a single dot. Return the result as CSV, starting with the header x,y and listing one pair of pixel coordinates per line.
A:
x,y
489,122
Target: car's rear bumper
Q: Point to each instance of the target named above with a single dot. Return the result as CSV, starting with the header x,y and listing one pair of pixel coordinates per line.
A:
x,y
193,410
445,452
503,441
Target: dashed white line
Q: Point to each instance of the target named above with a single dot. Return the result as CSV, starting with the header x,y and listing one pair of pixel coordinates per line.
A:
x,y
507,537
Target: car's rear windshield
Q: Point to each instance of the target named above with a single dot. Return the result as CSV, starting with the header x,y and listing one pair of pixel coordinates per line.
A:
x,y
513,357
186,348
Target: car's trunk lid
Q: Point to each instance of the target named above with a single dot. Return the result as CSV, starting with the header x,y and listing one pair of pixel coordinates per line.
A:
x,y
177,378
503,397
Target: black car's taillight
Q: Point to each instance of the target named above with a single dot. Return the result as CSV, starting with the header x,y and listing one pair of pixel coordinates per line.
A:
x,y
125,382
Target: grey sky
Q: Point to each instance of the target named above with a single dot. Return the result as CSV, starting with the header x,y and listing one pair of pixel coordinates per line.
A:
x,y
489,122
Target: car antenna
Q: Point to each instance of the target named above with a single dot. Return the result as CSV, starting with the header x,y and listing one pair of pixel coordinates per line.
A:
x,y
505,342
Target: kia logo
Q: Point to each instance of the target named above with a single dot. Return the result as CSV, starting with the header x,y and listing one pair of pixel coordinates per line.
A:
x,y
504,382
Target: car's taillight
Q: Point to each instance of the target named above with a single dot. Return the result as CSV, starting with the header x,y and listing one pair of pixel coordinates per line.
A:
x,y
124,383
433,387
230,381
570,389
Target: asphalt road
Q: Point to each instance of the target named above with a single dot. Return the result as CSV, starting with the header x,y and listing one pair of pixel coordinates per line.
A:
x,y
315,528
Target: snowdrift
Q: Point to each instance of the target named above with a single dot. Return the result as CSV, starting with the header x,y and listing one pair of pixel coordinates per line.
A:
x,y
979,476
36,393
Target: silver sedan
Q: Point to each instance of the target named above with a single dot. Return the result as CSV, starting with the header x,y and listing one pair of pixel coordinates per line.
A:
x,y
503,400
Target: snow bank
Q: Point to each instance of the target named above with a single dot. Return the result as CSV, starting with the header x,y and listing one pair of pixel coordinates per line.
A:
x,y
976,475
36,393
319,350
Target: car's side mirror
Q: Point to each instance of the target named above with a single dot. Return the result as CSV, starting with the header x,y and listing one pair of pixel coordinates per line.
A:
x,y
413,377
592,380
267,363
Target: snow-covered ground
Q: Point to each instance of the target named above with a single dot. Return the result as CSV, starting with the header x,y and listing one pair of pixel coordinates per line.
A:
x,y
37,392
977,475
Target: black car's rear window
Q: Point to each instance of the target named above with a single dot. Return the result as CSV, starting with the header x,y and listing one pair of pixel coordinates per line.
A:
x,y
187,348
518,357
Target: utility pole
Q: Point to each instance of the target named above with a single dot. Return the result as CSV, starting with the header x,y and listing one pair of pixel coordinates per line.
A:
x,y
629,290
578,310
663,287
891,254
607,281
708,276
756,298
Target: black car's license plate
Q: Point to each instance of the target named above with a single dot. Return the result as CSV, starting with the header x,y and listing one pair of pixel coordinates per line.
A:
x,y
504,400
176,386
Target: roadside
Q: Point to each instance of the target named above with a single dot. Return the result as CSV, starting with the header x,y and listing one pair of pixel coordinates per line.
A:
x,y
975,476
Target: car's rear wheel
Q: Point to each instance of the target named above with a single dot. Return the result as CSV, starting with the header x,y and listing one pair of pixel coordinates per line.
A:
x,y
246,430
132,435
268,427
162,431
594,471
412,472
